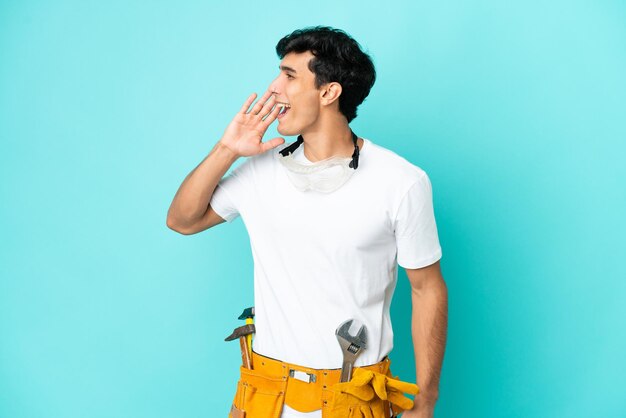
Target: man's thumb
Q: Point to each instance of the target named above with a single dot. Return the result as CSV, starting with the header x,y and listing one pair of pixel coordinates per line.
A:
x,y
273,143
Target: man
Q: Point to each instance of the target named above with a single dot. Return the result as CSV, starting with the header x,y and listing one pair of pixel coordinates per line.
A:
x,y
330,217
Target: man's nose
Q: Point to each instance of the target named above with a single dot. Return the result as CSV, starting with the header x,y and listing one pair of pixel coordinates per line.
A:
x,y
275,86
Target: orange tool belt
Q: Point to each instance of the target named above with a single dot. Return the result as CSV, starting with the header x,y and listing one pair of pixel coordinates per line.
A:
x,y
262,391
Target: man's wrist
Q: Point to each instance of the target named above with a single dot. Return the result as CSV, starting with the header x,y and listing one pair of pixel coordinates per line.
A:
x,y
226,152
427,397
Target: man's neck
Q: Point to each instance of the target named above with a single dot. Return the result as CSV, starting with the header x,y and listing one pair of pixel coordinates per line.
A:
x,y
334,140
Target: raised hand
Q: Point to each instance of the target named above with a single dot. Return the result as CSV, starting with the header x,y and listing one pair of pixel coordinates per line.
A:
x,y
245,132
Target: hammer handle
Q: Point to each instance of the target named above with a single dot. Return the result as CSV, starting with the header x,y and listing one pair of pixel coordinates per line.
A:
x,y
245,354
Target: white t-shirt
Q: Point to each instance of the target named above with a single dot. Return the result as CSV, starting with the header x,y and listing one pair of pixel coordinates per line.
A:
x,y
323,258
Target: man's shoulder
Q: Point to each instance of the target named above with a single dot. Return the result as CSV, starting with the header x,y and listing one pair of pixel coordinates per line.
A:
x,y
393,163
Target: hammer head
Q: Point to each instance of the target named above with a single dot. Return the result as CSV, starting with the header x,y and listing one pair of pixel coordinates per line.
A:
x,y
241,331
247,313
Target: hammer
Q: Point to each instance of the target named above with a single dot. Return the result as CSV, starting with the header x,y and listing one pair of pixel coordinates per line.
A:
x,y
242,333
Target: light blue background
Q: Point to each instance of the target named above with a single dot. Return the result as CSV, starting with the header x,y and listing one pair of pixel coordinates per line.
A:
x,y
515,110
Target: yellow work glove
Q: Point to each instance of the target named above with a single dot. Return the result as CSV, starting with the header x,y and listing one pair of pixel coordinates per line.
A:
x,y
363,395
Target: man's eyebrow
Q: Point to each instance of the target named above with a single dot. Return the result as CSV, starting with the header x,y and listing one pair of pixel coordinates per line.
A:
x,y
285,68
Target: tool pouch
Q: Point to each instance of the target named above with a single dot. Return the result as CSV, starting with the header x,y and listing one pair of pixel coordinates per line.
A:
x,y
369,394
258,395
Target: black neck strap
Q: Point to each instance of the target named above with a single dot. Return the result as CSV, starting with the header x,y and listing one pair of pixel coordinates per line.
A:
x,y
355,156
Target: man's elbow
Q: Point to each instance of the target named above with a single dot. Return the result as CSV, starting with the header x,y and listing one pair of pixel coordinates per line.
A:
x,y
206,221
176,228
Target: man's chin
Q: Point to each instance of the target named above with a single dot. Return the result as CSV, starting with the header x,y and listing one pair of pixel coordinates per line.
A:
x,y
286,132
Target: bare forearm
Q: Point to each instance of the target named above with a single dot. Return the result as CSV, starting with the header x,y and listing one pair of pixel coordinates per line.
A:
x,y
193,196
429,327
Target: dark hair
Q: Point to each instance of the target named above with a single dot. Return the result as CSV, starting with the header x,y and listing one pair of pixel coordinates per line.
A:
x,y
337,57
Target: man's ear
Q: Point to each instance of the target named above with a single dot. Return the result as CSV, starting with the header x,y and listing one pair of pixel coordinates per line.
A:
x,y
330,93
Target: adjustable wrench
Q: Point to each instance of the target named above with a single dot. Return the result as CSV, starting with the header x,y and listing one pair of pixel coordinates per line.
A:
x,y
351,346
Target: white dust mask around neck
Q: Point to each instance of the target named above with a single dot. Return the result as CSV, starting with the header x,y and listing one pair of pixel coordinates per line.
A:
x,y
323,176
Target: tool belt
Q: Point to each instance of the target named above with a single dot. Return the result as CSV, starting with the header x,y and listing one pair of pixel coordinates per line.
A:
x,y
372,392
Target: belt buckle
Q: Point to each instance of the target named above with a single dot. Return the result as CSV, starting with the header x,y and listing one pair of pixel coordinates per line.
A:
x,y
303,376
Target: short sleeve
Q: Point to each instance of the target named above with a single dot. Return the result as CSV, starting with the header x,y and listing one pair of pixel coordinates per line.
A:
x,y
231,191
415,230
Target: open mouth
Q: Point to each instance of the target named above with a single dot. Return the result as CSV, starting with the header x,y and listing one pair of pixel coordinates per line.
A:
x,y
284,109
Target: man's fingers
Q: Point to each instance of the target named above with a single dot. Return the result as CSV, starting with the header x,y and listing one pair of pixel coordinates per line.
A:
x,y
259,104
267,107
272,115
247,104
